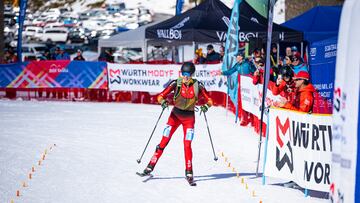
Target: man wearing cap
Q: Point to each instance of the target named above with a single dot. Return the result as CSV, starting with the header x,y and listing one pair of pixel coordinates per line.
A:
x,y
212,55
304,94
242,67
294,49
79,56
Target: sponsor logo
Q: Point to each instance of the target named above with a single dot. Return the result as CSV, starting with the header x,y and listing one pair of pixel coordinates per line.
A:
x,y
283,146
226,20
313,52
57,69
181,23
173,32
254,20
169,34
243,37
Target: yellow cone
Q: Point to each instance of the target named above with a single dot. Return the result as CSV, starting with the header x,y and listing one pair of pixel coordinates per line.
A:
x,y
229,165
45,151
246,186
12,201
222,154
242,180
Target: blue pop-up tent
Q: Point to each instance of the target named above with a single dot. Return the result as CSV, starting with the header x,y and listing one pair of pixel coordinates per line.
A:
x,y
318,23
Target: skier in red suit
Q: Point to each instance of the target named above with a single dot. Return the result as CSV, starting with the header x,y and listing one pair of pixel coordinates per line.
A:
x,y
186,91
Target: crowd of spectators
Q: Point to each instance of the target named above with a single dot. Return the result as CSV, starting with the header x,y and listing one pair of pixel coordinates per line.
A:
x,y
289,77
58,53
9,56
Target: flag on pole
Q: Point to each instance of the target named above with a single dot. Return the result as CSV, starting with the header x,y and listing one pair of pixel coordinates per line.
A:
x,y
22,13
231,49
266,74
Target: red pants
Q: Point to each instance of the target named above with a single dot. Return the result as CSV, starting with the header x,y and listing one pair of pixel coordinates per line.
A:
x,y
175,120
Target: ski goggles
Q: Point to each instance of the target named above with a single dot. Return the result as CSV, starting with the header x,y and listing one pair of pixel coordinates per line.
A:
x,y
186,74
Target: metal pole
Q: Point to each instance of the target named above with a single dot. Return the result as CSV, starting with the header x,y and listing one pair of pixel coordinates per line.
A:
x,y
266,76
215,158
139,160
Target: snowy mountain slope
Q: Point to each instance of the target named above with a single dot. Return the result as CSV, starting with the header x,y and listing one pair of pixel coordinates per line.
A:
x,y
97,145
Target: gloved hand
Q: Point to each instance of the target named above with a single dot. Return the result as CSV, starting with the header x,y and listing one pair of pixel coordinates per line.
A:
x,y
204,108
164,104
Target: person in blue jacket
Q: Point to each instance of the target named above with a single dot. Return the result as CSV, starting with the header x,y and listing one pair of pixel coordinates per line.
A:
x,y
298,65
242,67
62,55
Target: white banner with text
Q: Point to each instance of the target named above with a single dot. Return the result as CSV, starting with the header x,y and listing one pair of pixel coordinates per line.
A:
x,y
299,148
154,78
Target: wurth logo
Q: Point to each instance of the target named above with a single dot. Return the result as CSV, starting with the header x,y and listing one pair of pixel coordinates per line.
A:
x,y
284,153
114,73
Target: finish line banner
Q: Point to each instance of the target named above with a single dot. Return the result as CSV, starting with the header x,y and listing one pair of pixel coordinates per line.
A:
x,y
154,78
299,148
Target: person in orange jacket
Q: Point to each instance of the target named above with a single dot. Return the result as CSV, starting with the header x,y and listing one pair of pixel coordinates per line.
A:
x,y
186,92
304,94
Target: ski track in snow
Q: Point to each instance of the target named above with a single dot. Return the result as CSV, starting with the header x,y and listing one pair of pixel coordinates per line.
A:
x,y
97,145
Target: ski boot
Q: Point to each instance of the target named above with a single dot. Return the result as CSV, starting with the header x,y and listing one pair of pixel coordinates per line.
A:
x,y
190,177
147,171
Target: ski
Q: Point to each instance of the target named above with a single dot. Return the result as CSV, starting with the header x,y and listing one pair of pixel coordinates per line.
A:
x,y
143,174
191,181
149,176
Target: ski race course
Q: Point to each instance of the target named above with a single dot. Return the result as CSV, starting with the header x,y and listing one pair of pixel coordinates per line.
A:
x,y
92,148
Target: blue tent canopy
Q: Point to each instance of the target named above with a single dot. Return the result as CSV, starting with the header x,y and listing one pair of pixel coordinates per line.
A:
x,y
318,23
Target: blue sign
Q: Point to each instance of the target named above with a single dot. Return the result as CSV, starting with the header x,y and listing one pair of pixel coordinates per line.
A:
x,y
322,67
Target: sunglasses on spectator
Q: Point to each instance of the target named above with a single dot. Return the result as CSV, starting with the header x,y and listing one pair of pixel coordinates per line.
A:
x,y
186,74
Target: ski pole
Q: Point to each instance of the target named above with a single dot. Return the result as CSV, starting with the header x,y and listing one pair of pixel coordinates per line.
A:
x,y
215,158
139,160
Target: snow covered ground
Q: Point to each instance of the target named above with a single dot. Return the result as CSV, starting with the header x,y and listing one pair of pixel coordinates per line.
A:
x,y
97,145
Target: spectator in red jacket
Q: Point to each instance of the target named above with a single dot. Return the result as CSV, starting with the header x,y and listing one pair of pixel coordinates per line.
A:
x,y
259,73
304,94
285,85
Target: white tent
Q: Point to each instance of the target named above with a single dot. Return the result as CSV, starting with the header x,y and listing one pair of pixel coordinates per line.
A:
x,y
135,39
130,39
